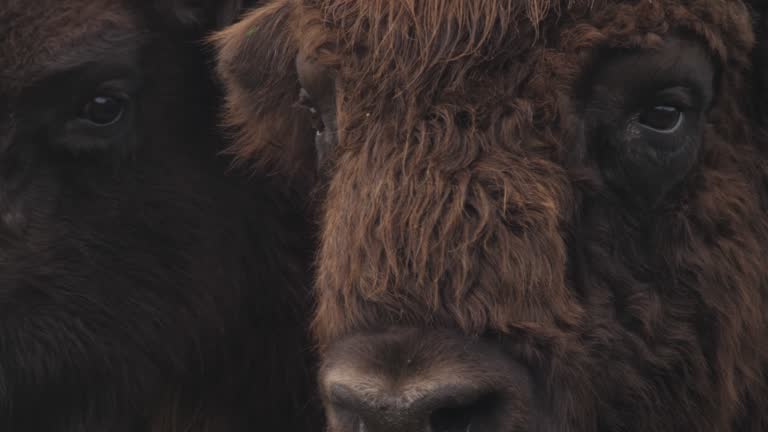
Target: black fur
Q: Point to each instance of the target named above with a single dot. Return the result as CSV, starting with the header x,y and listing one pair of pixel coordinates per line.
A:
x,y
141,288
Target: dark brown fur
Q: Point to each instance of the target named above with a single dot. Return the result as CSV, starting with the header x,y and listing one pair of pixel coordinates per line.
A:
x,y
143,286
463,195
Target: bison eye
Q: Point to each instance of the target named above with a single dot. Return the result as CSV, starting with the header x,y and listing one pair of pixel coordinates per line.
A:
x,y
323,121
662,118
305,102
103,110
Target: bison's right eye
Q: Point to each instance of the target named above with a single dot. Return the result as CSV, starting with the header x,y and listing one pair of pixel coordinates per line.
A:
x,y
100,118
103,110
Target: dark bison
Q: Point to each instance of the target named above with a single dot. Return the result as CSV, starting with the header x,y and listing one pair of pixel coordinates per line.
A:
x,y
140,287
538,215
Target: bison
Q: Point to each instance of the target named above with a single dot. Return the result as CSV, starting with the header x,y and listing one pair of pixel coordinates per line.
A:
x,y
536,215
142,287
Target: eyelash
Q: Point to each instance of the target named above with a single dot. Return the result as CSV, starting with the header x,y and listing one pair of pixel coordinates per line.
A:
x,y
683,98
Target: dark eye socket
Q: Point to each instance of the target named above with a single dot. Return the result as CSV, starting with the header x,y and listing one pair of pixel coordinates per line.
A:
x,y
103,110
305,102
662,118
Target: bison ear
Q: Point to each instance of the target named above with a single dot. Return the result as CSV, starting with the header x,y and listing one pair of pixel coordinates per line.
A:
x,y
256,63
203,14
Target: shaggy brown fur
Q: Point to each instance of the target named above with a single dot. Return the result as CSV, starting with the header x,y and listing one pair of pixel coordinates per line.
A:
x,y
468,191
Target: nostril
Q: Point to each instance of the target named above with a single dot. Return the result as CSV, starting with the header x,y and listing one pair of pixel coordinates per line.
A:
x,y
346,399
451,420
446,409
461,417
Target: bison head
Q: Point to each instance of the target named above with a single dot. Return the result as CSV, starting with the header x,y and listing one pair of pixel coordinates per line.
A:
x,y
537,215
135,289
85,86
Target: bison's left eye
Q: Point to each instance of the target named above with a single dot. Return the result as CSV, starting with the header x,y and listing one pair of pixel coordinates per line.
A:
x,y
103,110
324,124
305,102
651,144
646,115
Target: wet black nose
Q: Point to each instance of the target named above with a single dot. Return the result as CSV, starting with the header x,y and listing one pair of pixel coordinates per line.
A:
x,y
440,409
423,381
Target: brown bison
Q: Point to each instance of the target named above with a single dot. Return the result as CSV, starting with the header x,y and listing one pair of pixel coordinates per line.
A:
x,y
537,215
141,288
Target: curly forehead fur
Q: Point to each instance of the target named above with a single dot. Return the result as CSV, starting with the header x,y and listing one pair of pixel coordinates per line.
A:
x,y
462,195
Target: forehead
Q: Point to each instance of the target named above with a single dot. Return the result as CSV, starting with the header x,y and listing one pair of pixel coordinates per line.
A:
x,y
477,52
42,36
459,31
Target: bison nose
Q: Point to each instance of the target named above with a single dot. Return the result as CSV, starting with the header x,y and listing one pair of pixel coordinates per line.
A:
x,y
442,409
423,381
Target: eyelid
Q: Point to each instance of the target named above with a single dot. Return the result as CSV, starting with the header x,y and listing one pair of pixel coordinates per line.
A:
x,y
119,87
681,97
